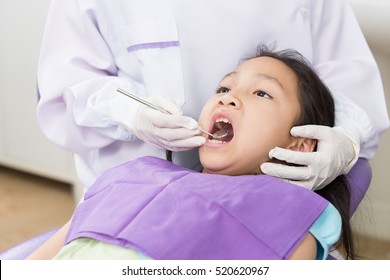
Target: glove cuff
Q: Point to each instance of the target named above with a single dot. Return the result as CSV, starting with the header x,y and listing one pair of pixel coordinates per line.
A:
x,y
354,136
120,110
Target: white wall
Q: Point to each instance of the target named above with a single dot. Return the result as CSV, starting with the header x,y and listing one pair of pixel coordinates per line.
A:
x,y
22,144
373,216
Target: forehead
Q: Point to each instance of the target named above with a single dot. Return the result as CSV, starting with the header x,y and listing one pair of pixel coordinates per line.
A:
x,y
268,68
267,65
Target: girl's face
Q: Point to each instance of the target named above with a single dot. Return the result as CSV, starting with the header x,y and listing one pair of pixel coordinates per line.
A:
x,y
257,105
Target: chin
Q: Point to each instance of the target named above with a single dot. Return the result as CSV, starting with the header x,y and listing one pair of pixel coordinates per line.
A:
x,y
214,162
216,171
223,169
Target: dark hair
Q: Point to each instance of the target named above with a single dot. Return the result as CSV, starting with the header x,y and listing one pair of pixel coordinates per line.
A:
x,y
317,108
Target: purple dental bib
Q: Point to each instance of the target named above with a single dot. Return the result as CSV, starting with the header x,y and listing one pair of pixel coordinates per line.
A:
x,y
169,212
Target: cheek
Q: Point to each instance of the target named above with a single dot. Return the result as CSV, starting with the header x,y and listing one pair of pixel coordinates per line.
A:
x,y
267,133
204,114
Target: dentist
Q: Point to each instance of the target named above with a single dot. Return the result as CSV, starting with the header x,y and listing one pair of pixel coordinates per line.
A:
x,y
173,53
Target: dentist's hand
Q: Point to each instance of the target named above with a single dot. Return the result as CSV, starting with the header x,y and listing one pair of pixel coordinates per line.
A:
x,y
336,153
171,132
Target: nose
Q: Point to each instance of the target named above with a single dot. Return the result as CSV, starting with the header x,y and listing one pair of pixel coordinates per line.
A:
x,y
230,99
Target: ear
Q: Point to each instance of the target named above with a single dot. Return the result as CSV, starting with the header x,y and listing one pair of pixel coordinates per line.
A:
x,y
302,144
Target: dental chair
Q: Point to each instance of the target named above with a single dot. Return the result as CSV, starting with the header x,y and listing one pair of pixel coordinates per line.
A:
x,y
359,179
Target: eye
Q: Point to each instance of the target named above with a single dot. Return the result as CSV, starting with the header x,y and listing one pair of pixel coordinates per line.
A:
x,y
261,93
222,90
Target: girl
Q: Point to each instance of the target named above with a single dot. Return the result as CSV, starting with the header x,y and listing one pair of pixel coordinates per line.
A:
x,y
151,208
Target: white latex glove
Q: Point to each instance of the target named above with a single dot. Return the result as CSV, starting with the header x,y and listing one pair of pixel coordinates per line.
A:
x,y
171,132
336,153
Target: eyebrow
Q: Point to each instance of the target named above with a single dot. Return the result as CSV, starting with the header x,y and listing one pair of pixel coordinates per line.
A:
x,y
259,75
270,78
228,75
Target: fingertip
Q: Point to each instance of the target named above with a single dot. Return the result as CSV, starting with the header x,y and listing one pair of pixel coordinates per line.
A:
x,y
297,131
272,152
202,140
264,168
294,131
197,141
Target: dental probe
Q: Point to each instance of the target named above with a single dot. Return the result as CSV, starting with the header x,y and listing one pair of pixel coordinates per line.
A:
x,y
143,101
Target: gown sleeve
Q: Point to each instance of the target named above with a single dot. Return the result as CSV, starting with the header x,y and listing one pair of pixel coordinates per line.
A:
x,y
79,108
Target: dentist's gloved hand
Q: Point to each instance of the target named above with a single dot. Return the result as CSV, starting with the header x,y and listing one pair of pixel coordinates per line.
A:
x,y
336,153
171,132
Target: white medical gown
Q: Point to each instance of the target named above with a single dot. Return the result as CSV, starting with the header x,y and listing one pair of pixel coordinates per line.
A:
x,y
181,49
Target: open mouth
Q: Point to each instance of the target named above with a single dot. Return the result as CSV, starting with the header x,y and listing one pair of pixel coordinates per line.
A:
x,y
222,130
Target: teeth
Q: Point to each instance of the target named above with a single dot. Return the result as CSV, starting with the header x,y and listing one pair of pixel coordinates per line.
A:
x,y
225,120
214,141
